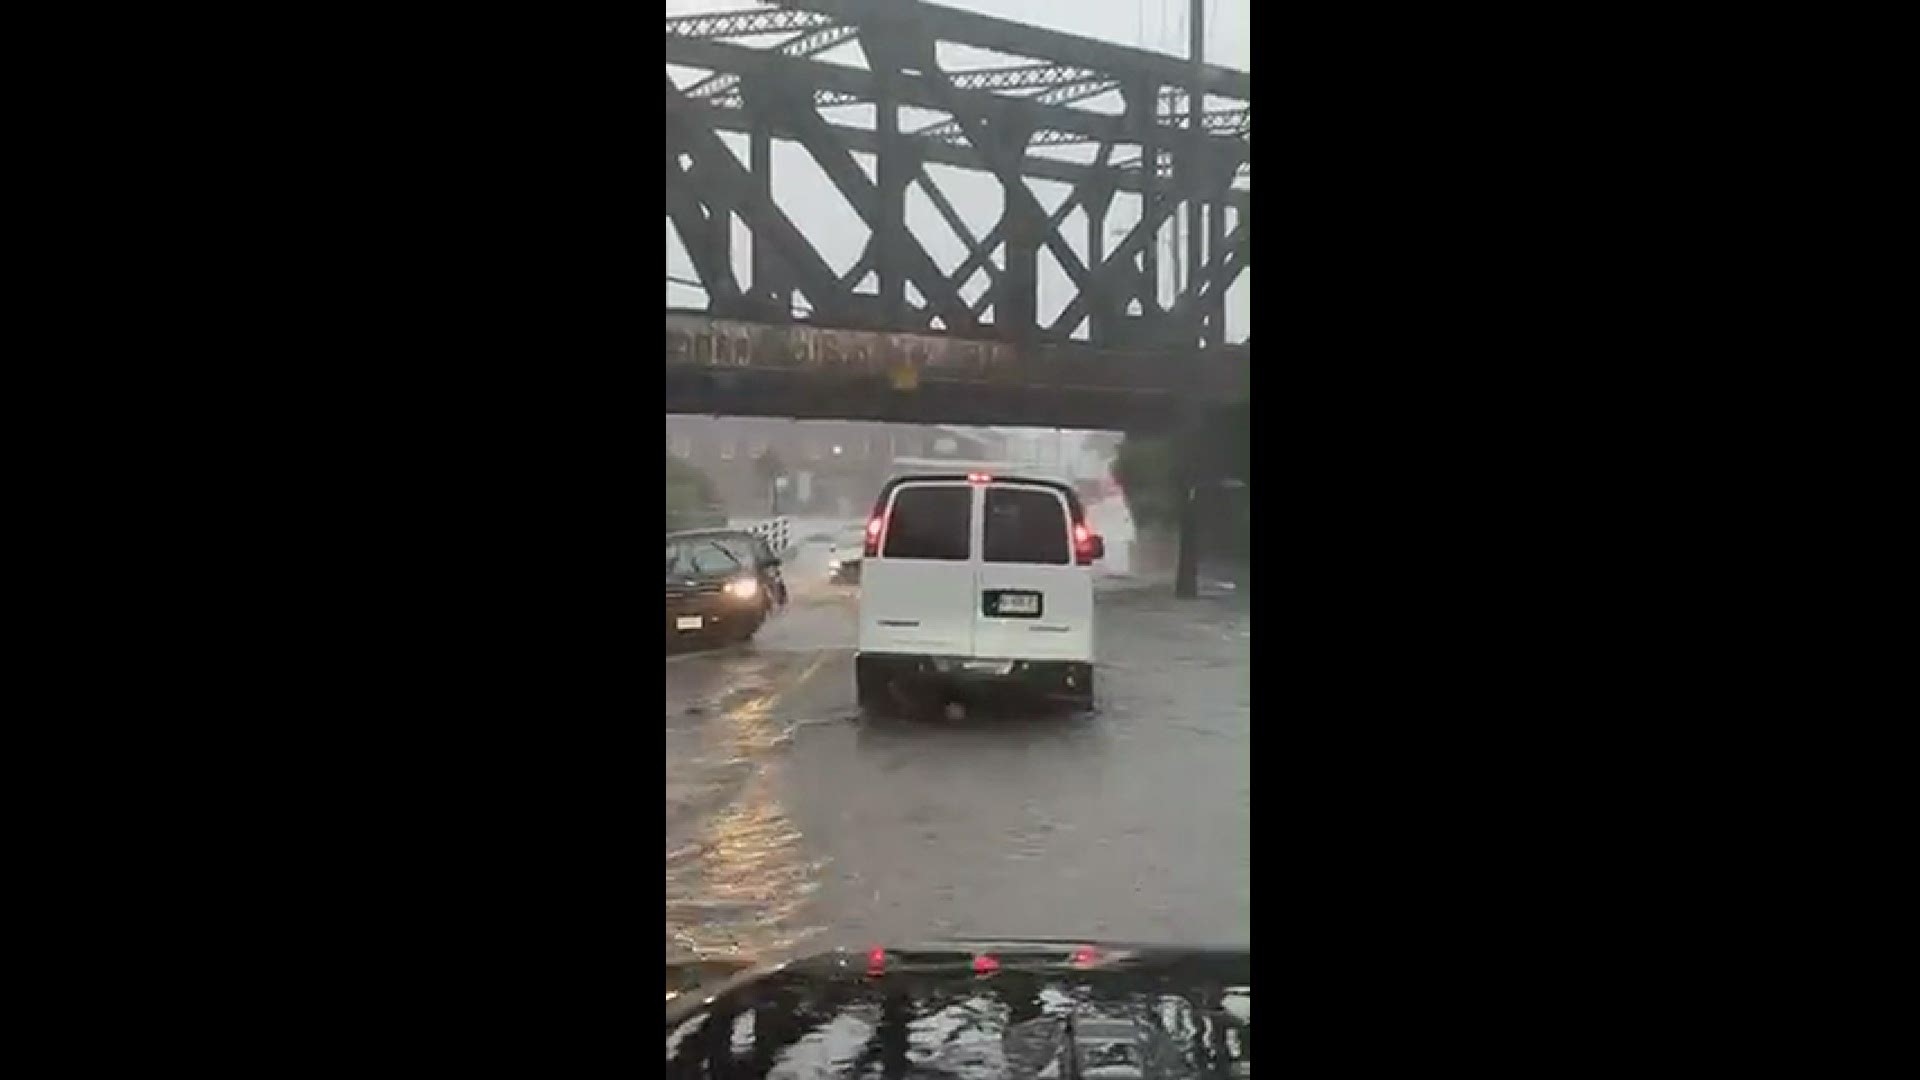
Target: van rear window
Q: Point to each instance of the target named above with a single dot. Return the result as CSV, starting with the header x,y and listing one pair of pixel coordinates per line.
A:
x,y
930,523
1026,526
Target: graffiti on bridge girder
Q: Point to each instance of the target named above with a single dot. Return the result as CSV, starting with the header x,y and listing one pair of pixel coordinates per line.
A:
x,y
724,345
696,339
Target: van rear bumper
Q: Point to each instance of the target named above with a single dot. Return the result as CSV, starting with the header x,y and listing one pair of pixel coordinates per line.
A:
x,y
1044,678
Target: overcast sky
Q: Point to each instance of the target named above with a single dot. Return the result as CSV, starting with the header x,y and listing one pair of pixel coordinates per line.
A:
x,y
1151,24
839,234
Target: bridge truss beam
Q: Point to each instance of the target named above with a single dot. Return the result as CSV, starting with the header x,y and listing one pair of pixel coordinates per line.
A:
x,y
992,119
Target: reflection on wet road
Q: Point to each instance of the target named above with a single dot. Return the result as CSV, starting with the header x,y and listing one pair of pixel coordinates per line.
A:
x,y
793,822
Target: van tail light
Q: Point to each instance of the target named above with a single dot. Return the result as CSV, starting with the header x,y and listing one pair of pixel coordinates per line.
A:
x,y
1082,544
873,536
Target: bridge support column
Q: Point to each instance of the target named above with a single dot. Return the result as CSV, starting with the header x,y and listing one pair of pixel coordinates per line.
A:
x,y
1190,437
1186,575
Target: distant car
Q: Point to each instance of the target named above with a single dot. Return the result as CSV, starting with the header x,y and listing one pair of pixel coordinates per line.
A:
x,y
843,558
721,585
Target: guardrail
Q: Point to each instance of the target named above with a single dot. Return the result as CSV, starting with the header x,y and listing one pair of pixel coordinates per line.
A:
x,y
777,532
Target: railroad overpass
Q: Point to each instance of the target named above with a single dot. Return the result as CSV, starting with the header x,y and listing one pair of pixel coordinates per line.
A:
x,y
1085,159
803,371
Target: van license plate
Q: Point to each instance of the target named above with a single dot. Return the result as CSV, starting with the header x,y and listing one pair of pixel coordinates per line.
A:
x,y
687,622
1018,603
946,665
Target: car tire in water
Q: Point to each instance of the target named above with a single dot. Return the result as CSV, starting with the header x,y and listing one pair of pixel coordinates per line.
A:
x,y
874,694
1081,700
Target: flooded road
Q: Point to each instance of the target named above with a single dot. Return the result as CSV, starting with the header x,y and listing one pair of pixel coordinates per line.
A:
x,y
793,824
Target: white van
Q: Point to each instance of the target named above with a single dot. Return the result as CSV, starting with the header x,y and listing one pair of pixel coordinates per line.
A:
x,y
969,579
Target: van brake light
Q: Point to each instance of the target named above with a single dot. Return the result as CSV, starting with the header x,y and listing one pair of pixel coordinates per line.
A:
x,y
873,537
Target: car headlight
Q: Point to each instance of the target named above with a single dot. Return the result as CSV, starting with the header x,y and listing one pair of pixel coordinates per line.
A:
x,y
833,564
744,588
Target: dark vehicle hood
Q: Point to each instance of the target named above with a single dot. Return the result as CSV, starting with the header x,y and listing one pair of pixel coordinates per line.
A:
x,y
991,1008
715,577
711,580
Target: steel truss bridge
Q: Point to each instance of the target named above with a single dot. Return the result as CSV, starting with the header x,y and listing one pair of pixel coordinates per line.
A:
x,y
879,92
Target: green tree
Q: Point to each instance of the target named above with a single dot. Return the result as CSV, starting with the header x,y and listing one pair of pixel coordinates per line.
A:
x,y
1146,471
1149,471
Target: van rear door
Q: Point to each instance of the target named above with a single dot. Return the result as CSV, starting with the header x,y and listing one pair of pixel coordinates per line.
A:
x,y
917,594
1034,600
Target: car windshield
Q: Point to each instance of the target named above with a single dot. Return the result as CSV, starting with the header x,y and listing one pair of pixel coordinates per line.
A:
x,y
709,555
958,321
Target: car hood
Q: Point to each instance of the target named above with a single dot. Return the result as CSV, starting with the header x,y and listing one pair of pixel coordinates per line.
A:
x,y
961,1009
716,578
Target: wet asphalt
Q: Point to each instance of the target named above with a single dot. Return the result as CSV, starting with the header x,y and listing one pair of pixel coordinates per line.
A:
x,y
796,824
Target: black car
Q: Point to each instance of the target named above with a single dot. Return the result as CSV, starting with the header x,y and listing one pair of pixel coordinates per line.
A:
x,y
721,585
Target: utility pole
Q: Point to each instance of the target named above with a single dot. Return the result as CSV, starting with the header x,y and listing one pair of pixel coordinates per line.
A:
x,y
1186,574
1190,221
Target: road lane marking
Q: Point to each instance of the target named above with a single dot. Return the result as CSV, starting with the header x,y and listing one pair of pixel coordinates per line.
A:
x,y
811,668
762,705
